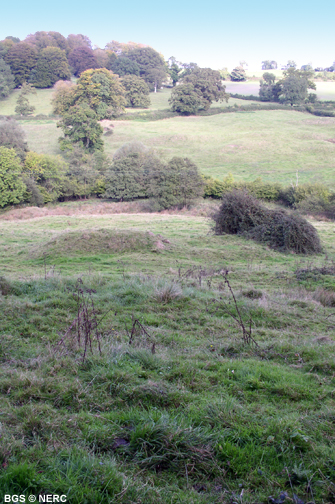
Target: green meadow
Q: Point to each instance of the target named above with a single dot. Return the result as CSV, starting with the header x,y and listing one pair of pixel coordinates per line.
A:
x,y
125,375
203,417
273,145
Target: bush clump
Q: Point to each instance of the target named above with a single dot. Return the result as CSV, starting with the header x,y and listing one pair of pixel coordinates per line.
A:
x,y
241,213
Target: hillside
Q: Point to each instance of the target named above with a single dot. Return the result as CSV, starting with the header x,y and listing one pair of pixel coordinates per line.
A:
x,y
205,416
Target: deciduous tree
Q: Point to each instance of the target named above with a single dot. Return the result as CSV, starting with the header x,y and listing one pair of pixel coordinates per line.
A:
x,y
175,69
21,58
152,66
80,126
48,174
42,39
185,100
294,87
7,81
51,67
137,91
208,85
102,91
78,40
123,66
12,188
63,96
238,74
81,58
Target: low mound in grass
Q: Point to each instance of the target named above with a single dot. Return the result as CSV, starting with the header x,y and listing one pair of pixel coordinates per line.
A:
x,y
103,241
241,213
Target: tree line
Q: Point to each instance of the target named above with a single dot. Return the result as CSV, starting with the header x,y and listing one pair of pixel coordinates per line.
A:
x,y
43,58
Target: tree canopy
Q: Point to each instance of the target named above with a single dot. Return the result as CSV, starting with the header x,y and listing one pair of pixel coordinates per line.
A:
x,y
81,58
102,91
41,39
294,87
238,74
51,67
21,58
152,66
7,81
137,91
80,125
78,40
199,89
124,66
175,184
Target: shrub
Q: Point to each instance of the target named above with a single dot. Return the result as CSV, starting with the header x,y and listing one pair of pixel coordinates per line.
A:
x,y
176,184
288,232
293,195
241,213
129,148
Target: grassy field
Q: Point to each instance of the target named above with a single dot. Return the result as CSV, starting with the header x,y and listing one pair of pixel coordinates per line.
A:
x,y
324,90
204,418
272,145
41,101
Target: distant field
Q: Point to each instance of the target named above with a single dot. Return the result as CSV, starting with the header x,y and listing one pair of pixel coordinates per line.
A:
x,y
272,145
324,90
42,102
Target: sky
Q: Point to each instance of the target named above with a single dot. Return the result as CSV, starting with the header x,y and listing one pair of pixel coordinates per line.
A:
x,y
213,34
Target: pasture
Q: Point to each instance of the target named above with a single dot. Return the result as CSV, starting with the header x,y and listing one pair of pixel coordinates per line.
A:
x,y
273,145
205,417
324,90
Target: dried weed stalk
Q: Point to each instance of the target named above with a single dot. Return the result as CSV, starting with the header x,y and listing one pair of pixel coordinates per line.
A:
x,y
137,329
86,323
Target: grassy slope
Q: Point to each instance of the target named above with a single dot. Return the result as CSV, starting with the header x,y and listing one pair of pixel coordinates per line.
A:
x,y
202,418
42,102
272,145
